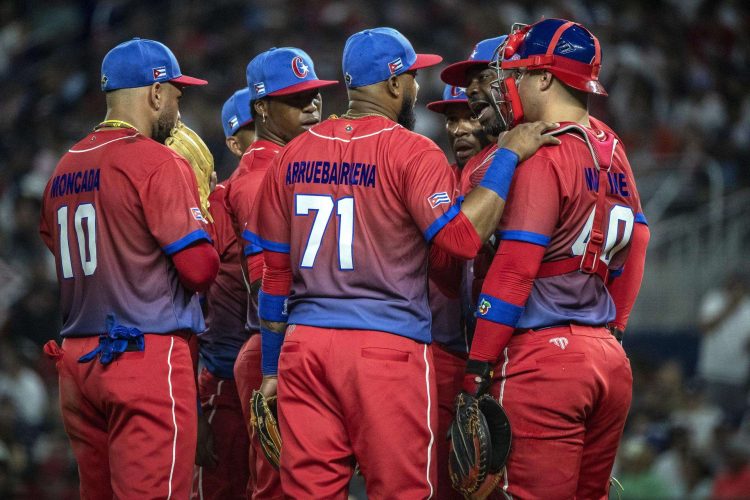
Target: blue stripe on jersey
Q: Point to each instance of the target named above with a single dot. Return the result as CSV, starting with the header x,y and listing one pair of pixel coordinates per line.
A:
x,y
251,249
525,236
188,239
391,316
497,310
444,219
616,273
641,219
273,246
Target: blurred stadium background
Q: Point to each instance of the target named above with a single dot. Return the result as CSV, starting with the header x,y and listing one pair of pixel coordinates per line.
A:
x,y
678,74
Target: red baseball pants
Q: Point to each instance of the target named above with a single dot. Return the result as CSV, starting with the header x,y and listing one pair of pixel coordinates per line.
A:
x,y
567,392
265,483
221,405
347,395
449,374
132,424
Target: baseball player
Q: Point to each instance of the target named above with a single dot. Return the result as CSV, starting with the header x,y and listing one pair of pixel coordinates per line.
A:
x,y
227,473
449,334
357,200
284,101
121,216
570,263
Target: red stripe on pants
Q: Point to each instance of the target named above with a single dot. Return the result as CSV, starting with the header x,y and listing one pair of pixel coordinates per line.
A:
x,y
567,393
356,394
265,482
132,423
221,404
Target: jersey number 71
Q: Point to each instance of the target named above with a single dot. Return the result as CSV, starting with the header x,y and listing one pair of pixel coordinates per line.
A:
x,y
323,206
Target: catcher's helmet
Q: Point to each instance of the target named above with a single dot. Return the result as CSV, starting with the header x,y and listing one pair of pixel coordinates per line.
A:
x,y
564,48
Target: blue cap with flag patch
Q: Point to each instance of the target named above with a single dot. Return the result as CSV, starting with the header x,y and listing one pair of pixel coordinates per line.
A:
x,y
481,55
140,63
282,71
235,113
452,95
373,55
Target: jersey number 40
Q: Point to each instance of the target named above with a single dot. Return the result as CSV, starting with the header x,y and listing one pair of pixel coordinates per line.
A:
x,y
323,206
619,230
85,234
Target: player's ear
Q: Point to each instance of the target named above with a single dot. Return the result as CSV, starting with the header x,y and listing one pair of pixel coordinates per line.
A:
x,y
261,109
234,145
545,80
156,96
394,86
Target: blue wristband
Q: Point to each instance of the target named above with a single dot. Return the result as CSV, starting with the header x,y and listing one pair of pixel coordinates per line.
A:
x,y
272,307
500,173
270,348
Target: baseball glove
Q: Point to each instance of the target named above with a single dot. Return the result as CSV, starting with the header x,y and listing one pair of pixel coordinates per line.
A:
x,y
184,141
263,420
479,445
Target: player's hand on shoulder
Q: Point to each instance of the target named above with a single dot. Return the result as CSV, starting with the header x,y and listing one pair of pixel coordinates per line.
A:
x,y
525,139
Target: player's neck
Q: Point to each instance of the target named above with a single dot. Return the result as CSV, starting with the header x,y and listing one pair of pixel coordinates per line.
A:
x,y
142,125
565,113
360,108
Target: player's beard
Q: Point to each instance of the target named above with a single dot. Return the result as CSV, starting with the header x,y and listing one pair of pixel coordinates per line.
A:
x,y
494,127
406,116
163,127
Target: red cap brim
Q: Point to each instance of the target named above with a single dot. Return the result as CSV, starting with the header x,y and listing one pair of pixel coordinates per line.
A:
x,y
188,81
425,61
302,86
439,106
455,74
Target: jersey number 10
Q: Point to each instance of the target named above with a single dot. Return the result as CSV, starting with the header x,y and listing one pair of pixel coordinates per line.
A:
x,y
86,239
323,207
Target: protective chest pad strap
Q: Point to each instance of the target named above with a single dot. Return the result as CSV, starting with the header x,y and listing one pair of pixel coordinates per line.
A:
x,y
602,148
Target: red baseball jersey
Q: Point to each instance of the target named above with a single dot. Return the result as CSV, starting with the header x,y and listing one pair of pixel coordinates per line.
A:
x,y
355,203
551,203
227,298
473,171
242,191
117,206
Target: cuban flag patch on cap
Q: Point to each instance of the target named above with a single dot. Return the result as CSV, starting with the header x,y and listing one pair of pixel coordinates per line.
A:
x,y
260,88
160,72
438,199
395,65
233,121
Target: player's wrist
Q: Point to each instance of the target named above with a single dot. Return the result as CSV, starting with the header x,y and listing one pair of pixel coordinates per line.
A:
x,y
500,172
270,348
477,377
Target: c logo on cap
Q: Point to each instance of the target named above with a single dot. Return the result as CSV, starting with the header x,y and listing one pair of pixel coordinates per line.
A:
x,y
299,67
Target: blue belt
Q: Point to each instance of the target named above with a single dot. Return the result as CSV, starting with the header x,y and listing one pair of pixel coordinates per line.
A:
x,y
117,340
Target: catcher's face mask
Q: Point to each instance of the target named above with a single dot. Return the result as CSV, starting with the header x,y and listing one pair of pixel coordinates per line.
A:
x,y
505,86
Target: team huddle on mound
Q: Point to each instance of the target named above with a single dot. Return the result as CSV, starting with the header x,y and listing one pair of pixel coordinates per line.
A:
x,y
444,330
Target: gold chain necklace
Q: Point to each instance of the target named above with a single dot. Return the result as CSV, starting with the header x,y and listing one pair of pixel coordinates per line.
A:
x,y
115,124
354,116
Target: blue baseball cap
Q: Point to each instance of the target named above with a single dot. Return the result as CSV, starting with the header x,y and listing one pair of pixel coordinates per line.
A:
x,y
140,63
282,71
235,113
481,55
373,55
452,95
